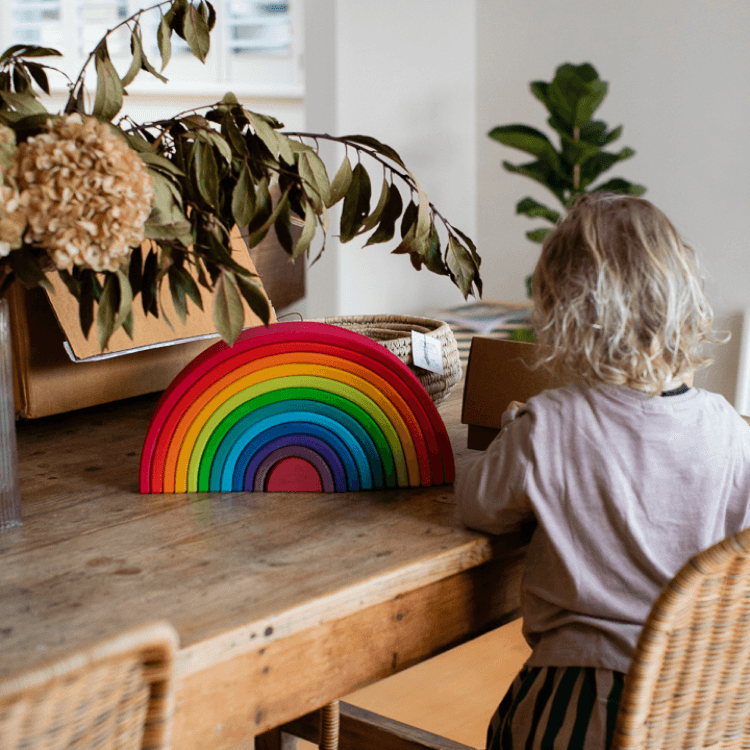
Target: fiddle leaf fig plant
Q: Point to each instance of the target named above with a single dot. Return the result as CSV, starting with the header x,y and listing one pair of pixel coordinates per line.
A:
x,y
573,166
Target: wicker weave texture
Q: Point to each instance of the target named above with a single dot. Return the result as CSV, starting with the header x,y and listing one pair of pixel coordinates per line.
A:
x,y
689,683
115,696
394,333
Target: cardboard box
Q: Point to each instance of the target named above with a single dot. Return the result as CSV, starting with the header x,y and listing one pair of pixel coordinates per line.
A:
x,y
56,369
498,372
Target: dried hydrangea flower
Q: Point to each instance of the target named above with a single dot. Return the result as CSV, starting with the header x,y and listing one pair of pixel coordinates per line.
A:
x,y
86,193
12,220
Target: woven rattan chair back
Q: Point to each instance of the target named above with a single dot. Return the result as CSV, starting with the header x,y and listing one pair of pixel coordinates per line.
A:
x,y
117,695
689,683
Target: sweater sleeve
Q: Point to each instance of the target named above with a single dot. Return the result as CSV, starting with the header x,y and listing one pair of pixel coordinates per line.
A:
x,y
490,489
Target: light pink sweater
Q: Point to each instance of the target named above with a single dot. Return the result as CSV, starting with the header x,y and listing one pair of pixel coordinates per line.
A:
x,y
624,489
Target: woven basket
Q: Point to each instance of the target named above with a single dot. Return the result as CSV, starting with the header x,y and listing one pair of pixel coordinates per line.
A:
x,y
394,333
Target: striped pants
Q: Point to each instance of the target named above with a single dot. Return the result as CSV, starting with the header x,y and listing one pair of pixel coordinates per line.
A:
x,y
557,708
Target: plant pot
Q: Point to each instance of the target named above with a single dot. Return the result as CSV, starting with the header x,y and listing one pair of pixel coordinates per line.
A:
x,y
10,491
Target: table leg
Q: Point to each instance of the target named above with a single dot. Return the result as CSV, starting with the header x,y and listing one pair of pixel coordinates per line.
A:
x,y
275,739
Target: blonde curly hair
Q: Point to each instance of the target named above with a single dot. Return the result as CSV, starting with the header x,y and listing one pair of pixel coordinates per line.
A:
x,y
618,298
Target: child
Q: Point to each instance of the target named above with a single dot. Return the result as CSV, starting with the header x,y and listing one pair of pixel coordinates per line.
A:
x,y
626,472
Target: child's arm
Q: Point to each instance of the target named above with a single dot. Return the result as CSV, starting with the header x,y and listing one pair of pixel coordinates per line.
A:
x,y
490,490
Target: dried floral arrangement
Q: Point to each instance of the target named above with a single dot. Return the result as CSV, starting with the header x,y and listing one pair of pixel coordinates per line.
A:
x,y
80,193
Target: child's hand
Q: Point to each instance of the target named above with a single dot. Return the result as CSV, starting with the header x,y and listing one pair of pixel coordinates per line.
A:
x,y
512,410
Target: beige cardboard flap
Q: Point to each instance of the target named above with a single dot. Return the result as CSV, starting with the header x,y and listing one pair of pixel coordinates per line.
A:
x,y
499,371
148,331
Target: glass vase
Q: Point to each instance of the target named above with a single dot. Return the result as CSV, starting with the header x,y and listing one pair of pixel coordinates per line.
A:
x,y
10,491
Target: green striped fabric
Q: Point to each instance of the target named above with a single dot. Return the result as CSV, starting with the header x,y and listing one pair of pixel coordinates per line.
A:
x,y
557,708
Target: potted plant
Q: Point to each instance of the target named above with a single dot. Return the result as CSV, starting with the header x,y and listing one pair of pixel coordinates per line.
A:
x,y
183,182
574,165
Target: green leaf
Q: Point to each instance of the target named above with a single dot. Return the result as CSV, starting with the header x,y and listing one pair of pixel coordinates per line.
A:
x,y
527,139
109,91
315,179
541,173
40,76
375,144
283,228
164,41
105,314
538,235
136,48
461,265
374,217
30,50
24,104
149,287
575,93
243,198
618,185
356,203
206,171
232,133
601,162
276,143
341,182
433,258
195,29
533,209
388,218
254,237
308,232
228,313
253,294
181,286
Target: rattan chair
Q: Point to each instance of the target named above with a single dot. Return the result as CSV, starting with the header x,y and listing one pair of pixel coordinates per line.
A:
x,y
689,683
116,695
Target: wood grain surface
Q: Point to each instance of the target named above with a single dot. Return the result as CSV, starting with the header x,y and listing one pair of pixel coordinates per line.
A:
x,y
282,602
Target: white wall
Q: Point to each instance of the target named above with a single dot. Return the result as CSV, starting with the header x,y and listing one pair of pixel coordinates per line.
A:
x,y
679,72
403,72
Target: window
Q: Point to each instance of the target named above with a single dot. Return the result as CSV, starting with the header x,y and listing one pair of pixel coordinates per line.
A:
x,y
255,45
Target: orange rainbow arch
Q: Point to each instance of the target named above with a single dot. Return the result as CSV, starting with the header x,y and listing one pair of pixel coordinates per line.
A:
x,y
295,407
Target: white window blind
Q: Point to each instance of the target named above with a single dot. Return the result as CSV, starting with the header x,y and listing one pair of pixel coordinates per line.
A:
x,y
255,45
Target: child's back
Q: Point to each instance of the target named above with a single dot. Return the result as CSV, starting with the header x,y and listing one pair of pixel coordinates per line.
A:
x,y
627,473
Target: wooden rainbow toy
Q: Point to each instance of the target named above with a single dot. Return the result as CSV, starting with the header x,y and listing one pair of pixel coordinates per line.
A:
x,y
300,407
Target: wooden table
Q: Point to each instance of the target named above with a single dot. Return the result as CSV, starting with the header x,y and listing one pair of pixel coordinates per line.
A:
x,y
283,602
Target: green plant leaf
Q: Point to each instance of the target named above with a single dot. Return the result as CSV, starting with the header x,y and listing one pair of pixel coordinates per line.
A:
x,y
619,185
309,228
228,313
232,133
253,295
149,287
136,49
181,286
243,198
461,265
600,163
530,140
283,228
254,237
374,217
356,203
533,209
575,93
432,255
388,218
24,104
315,179
105,313
109,91
541,173
195,29
164,42
206,171
376,145
538,235
39,75
341,182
